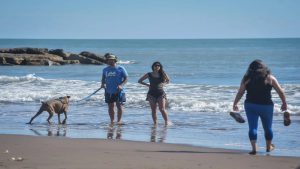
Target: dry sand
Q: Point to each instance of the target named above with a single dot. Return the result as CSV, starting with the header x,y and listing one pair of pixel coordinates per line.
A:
x,y
68,153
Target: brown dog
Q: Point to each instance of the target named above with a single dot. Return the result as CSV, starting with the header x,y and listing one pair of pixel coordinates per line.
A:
x,y
58,106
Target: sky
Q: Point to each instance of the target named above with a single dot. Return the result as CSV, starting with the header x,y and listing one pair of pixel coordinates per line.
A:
x,y
149,19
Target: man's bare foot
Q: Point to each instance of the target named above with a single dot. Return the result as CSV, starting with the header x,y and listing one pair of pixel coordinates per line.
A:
x,y
120,123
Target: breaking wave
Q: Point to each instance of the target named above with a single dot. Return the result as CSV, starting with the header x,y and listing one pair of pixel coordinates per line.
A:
x,y
181,97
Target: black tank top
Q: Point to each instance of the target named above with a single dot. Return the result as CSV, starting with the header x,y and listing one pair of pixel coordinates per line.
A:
x,y
259,93
156,87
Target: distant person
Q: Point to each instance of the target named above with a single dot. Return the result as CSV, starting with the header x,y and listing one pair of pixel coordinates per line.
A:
x,y
156,94
258,82
114,77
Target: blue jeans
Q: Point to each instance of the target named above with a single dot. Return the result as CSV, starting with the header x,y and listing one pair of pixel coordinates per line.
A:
x,y
265,113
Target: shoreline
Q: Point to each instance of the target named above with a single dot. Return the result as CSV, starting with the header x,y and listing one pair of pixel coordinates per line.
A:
x,y
62,152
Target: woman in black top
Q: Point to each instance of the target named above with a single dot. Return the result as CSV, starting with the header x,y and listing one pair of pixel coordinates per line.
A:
x,y
258,82
156,95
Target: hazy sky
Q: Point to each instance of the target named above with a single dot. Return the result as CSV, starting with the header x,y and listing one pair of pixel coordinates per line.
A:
x,y
149,19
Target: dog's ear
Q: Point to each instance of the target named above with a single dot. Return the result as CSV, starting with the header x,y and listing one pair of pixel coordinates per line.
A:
x,y
65,100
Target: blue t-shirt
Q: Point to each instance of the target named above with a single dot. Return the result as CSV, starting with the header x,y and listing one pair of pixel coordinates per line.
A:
x,y
113,77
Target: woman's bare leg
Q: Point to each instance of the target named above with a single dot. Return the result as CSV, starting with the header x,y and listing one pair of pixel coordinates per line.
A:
x,y
162,109
153,109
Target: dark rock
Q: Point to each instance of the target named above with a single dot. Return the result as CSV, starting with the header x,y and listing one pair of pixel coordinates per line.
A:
x,y
41,56
72,61
4,50
2,61
14,60
58,52
83,59
25,50
93,56
37,50
30,59
51,57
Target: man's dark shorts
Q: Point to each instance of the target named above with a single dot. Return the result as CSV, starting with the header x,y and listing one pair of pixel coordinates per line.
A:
x,y
115,97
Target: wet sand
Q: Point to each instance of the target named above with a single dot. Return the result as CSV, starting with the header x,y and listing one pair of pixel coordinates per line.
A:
x,y
69,153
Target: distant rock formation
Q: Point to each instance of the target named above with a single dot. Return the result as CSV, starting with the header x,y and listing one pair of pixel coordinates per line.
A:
x,y
43,56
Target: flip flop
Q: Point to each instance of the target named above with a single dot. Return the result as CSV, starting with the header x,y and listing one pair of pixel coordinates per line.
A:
x,y
286,118
237,117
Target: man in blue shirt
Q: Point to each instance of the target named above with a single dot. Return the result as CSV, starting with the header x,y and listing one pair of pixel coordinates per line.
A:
x,y
114,77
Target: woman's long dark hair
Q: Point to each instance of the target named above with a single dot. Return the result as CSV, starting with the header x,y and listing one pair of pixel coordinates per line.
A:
x,y
257,72
161,71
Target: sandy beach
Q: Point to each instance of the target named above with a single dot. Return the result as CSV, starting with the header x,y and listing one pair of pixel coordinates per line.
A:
x,y
18,151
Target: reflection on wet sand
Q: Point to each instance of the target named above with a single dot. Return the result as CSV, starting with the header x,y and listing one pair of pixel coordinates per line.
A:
x,y
158,134
114,130
59,130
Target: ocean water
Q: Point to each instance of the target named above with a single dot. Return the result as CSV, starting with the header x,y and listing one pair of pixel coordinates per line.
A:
x,y
205,76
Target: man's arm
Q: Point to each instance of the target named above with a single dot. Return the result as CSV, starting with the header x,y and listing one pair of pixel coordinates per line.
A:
x,y
125,79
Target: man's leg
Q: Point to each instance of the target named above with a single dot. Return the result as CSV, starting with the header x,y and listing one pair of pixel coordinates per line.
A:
x,y
120,111
111,112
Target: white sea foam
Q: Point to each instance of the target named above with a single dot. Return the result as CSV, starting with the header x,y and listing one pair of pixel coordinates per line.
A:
x,y
126,62
15,79
181,97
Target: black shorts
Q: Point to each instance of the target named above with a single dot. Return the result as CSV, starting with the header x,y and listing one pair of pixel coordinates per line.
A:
x,y
156,96
115,97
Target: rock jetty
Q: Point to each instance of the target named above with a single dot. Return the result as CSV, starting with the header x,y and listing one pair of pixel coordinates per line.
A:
x,y
43,56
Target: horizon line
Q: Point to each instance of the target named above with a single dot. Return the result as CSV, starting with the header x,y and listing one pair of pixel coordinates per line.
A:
x,y
147,38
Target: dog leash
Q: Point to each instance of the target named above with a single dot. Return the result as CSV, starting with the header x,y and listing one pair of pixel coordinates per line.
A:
x,y
90,95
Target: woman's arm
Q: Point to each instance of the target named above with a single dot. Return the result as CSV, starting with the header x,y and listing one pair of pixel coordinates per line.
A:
x,y
141,80
239,95
167,80
280,92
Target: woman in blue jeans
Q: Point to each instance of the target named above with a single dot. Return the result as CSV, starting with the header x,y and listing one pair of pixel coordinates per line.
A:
x,y
258,82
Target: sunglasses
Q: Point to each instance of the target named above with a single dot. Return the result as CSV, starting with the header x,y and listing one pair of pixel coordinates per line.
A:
x,y
157,65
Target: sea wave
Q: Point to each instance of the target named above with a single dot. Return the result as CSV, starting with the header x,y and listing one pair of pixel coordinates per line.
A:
x,y
181,97
126,62
15,79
